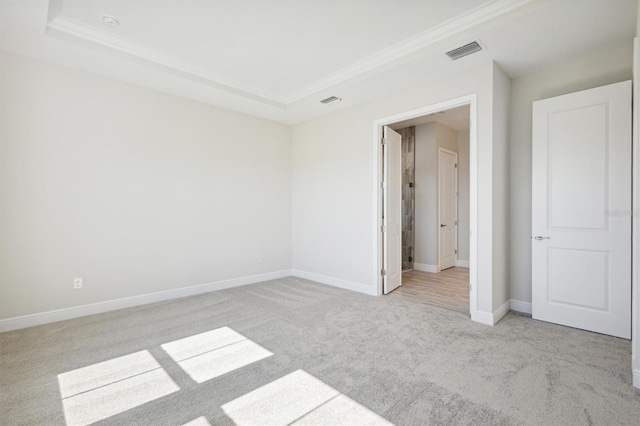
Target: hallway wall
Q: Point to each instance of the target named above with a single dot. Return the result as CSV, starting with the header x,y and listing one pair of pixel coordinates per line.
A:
x,y
429,137
463,196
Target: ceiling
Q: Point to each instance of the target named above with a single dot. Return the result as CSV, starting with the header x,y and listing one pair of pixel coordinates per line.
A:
x,y
456,118
277,59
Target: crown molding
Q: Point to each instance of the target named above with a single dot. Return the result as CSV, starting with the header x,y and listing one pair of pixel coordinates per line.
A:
x,y
59,25
411,45
63,26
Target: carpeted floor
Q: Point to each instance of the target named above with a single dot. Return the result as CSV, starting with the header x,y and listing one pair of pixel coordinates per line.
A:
x,y
291,350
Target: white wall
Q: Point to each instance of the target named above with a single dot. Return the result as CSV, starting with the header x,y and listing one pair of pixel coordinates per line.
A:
x,y
334,194
133,190
463,195
426,196
447,137
596,69
501,181
429,137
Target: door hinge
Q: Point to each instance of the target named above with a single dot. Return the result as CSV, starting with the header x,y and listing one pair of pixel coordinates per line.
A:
x,y
456,165
383,141
383,185
456,251
456,223
383,228
383,272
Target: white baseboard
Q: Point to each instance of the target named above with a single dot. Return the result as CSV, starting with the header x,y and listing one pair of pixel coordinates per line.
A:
x,y
426,268
520,306
636,378
25,321
462,263
501,311
484,318
493,318
335,282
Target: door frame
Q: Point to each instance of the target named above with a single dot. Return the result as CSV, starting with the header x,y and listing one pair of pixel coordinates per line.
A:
x,y
378,124
544,308
447,151
635,223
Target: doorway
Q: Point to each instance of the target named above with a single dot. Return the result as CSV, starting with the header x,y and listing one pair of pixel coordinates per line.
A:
x,y
581,220
434,268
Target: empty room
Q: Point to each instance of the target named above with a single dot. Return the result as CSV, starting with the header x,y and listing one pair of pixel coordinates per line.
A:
x,y
223,212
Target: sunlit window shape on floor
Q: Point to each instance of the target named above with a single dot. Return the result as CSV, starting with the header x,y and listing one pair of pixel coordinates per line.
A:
x,y
102,390
200,421
300,399
213,353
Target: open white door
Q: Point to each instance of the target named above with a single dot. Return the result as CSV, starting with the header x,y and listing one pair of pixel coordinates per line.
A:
x,y
581,224
447,207
392,215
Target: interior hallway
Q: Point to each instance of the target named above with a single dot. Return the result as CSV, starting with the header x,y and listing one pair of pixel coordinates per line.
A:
x,y
449,289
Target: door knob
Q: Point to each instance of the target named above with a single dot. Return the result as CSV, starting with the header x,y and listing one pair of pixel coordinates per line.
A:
x,y
442,225
540,238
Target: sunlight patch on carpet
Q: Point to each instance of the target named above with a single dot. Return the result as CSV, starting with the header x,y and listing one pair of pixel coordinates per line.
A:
x,y
300,399
211,354
101,390
200,421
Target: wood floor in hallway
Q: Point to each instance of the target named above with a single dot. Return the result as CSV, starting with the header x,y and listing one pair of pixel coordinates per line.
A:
x,y
448,289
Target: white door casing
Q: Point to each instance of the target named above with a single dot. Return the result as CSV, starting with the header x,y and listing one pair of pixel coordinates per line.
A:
x,y
581,210
392,217
447,208
377,250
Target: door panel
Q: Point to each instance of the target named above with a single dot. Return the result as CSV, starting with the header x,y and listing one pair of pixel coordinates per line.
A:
x,y
581,261
578,278
579,143
448,208
392,154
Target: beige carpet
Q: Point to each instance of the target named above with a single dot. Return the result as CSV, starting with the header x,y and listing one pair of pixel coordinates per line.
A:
x,y
293,352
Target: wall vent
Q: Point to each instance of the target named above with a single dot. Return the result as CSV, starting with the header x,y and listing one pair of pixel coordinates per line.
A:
x,y
330,99
465,50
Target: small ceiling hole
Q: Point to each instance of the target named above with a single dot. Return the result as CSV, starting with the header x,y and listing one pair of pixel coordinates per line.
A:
x,y
110,21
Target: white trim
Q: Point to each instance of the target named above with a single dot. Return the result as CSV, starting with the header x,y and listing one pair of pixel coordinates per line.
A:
x,y
520,306
493,318
24,321
376,199
426,268
635,232
411,45
60,25
67,27
335,282
462,263
503,310
484,318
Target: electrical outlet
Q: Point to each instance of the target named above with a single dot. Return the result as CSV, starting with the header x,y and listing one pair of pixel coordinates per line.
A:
x,y
354,265
77,283
260,258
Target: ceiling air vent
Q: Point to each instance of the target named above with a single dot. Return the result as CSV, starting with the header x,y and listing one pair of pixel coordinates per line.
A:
x,y
330,99
465,50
